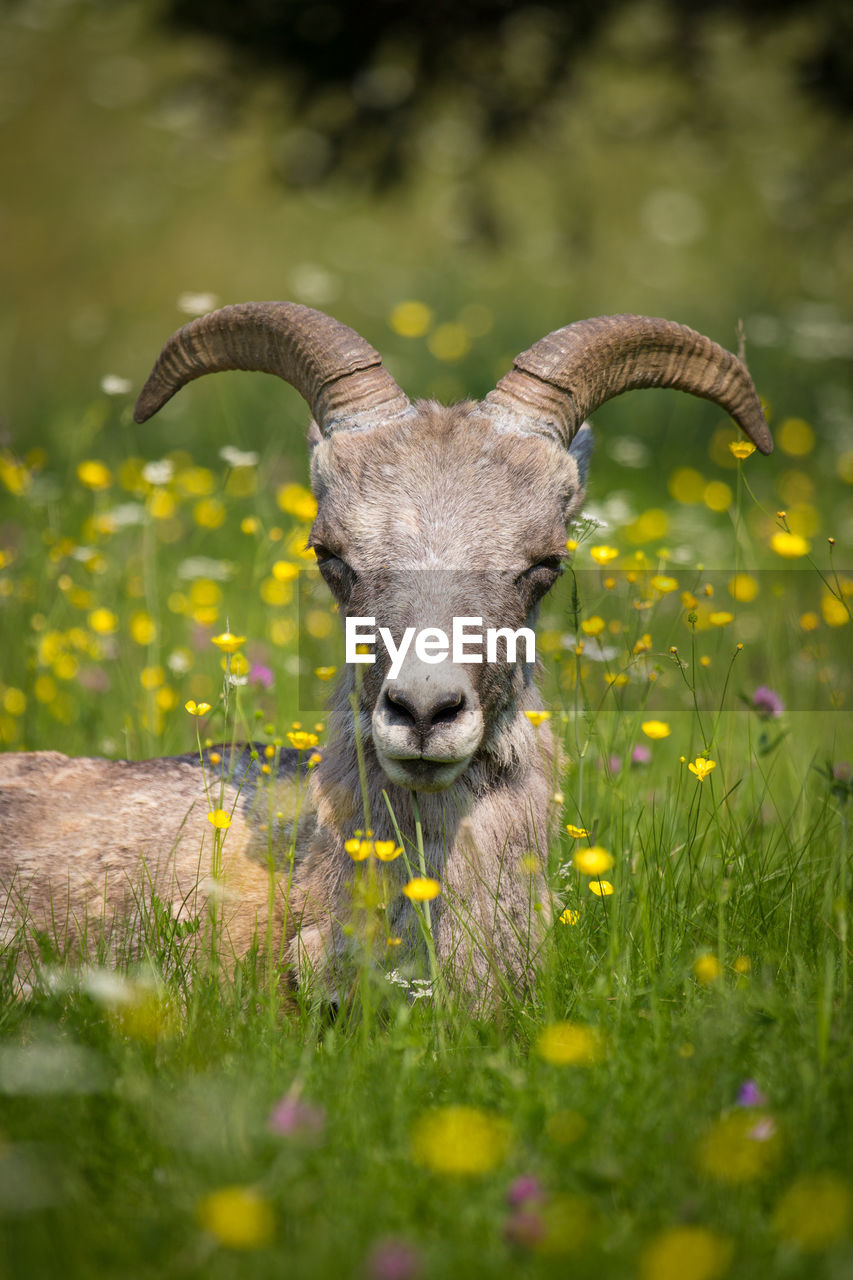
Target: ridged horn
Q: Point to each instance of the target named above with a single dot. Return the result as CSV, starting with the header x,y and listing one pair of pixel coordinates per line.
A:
x,y
563,378
339,374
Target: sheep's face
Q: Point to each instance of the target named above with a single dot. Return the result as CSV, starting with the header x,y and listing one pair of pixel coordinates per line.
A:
x,y
439,516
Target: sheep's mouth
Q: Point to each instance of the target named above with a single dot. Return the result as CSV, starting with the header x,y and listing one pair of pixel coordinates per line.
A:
x,y
418,773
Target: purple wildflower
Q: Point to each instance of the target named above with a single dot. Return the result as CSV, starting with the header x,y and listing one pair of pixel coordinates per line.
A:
x,y
290,1117
527,1187
259,674
767,703
641,754
393,1260
749,1095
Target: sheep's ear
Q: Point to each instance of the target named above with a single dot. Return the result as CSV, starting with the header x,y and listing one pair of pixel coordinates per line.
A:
x,y
581,450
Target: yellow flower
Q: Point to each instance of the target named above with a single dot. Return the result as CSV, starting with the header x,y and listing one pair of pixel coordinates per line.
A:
x,y
743,588
655,729
209,513
325,673
239,1217
297,501
795,437
358,849
284,571
197,708
538,717
601,888
570,1044
103,622
220,819
228,642
643,645
789,545
720,618
707,968
739,1146
835,612
577,833
143,628
594,861
663,584
387,850
302,740
701,767
815,1211
569,916
685,1253
422,889
94,475
250,524
742,448
593,626
603,555
411,319
460,1140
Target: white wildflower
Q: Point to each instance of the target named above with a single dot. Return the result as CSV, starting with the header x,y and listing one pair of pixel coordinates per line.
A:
x,y
197,304
160,472
113,385
238,457
205,567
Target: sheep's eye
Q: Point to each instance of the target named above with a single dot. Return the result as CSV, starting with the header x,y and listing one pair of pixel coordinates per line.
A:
x,y
540,577
338,575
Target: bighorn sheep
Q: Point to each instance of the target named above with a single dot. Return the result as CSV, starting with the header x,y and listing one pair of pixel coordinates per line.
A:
x,y
426,513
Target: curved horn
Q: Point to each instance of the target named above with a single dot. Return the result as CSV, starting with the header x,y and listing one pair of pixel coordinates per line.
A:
x,y
563,378
333,369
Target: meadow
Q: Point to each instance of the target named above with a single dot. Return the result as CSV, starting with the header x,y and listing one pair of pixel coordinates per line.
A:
x,y
674,1103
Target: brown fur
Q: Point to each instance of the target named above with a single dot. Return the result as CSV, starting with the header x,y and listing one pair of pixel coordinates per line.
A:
x,y
447,511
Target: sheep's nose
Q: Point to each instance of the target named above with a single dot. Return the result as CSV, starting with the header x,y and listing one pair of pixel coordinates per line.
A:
x,y
422,709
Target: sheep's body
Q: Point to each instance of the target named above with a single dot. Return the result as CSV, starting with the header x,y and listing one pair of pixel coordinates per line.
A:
x,y
425,515
86,842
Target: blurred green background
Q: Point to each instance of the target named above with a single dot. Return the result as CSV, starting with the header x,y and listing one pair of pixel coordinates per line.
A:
x,y
695,165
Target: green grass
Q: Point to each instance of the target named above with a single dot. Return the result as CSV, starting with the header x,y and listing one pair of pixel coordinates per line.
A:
x,y
132,1095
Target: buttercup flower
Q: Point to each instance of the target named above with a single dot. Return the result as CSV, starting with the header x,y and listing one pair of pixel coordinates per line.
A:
x,y
789,545
538,717
570,1044
655,729
577,833
603,555
569,916
422,889
239,1217
197,708
460,1140
594,861
707,968
228,642
742,449
302,740
701,767
219,819
387,850
358,849
601,888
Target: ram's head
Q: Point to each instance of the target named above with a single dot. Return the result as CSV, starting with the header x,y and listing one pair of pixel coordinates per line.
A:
x,y
430,514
